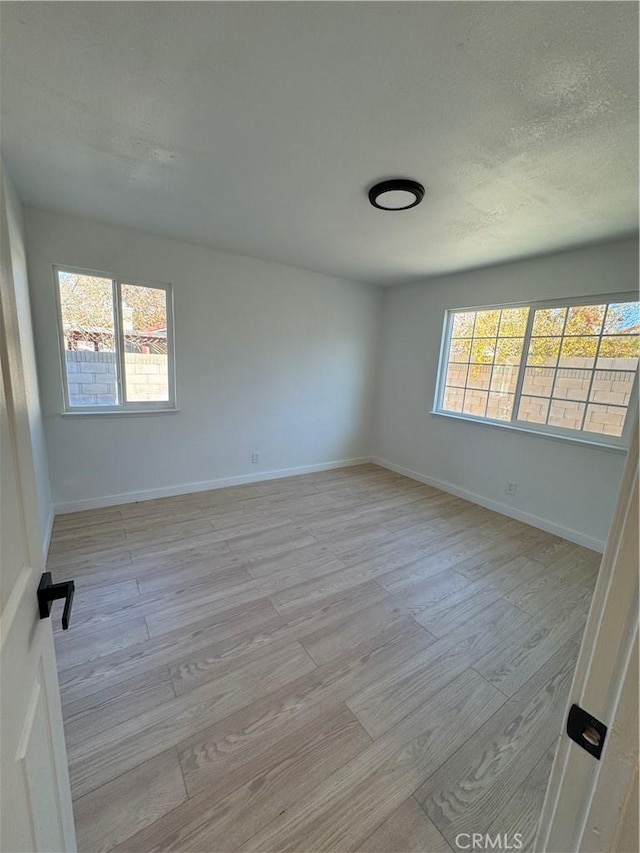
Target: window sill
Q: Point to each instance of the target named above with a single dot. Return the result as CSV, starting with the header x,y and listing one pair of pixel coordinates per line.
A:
x,y
596,445
119,413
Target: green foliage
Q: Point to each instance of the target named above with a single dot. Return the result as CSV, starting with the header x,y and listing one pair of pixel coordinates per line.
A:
x,y
148,305
496,335
487,323
460,349
585,320
509,350
543,351
620,347
483,350
513,322
463,324
87,303
549,321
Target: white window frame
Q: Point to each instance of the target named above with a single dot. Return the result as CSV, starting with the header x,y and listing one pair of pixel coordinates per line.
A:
x,y
123,407
610,442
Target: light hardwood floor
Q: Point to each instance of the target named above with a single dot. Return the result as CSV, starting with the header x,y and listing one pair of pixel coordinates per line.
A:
x,y
347,660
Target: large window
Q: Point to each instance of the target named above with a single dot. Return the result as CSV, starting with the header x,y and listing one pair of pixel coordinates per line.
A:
x,y
561,368
117,343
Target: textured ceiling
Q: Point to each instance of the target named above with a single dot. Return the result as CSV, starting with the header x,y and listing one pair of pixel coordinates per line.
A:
x,y
258,127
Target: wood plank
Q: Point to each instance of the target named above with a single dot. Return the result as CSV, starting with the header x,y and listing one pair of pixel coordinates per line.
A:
x,y
88,644
278,540
408,829
445,552
119,592
201,590
337,639
75,521
295,769
236,743
457,610
510,574
89,543
191,552
85,678
169,537
94,615
106,566
381,706
181,616
201,565
521,815
212,663
309,556
351,803
117,810
296,598
509,668
470,789
140,738
150,520
558,581
425,593
391,553
85,719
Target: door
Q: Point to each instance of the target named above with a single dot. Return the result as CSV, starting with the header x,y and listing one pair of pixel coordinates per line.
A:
x,y
35,806
591,804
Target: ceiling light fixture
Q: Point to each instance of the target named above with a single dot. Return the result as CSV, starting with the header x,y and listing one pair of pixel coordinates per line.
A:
x,y
396,194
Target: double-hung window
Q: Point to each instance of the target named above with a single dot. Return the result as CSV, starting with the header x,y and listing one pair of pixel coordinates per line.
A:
x,y
567,368
116,343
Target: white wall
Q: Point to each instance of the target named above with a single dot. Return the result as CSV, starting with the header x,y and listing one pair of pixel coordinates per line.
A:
x,y
269,358
564,487
21,354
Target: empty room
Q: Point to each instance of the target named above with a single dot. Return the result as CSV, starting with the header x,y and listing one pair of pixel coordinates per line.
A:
x,y
319,339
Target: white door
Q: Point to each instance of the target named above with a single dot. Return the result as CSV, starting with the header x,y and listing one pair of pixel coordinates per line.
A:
x,y
35,802
592,805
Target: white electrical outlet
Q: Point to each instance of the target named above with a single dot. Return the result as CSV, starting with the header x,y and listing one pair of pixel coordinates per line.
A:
x,y
510,488
255,457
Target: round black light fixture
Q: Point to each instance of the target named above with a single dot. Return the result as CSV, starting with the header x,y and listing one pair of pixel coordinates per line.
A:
x,y
396,194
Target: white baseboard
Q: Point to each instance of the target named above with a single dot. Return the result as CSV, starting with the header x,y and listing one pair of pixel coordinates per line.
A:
x,y
46,533
526,517
203,486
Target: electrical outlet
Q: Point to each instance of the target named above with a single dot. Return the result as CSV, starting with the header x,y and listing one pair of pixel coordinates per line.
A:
x,y
510,488
255,457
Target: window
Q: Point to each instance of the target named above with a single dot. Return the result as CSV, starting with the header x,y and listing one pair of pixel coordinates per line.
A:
x,y
117,343
560,368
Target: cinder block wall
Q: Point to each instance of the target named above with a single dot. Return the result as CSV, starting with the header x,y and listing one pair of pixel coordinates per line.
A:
x,y
490,394
92,377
